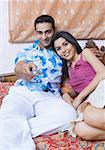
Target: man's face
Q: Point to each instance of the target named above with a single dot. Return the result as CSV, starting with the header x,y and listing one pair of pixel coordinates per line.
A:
x,y
44,33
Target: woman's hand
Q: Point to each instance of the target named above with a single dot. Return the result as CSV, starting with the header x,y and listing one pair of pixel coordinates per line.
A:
x,y
77,101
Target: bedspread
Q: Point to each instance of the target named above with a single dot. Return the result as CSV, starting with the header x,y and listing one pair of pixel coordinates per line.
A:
x,y
58,141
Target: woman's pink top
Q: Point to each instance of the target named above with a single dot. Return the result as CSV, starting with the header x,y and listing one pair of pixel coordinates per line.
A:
x,y
81,75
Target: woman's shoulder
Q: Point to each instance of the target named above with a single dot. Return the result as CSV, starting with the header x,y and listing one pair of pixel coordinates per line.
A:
x,y
87,54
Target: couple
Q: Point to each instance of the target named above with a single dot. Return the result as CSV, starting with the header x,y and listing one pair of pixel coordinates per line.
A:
x,y
34,105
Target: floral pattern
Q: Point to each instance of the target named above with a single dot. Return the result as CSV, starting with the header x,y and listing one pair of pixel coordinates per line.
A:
x,y
48,65
58,141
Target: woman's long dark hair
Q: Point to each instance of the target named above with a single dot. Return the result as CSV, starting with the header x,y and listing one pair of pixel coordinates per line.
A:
x,y
73,41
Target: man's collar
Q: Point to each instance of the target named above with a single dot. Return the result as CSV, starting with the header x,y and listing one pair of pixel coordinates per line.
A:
x,y
40,45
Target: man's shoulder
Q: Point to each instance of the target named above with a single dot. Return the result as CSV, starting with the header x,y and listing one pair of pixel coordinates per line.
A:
x,y
35,43
32,46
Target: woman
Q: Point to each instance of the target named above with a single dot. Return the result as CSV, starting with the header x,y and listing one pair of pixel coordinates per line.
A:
x,y
87,83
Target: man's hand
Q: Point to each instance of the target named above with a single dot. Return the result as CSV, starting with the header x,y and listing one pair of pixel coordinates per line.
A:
x,y
24,70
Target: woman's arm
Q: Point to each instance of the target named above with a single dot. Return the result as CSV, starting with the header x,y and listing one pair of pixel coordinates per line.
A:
x,y
67,88
67,98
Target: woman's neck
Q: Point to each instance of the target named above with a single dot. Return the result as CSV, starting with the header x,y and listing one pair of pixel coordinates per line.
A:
x,y
75,59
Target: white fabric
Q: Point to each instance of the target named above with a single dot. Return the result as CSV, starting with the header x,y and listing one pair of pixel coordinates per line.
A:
x,y
97,97
15,134
18,124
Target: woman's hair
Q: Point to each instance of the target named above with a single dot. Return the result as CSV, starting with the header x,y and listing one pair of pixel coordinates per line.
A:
x,y
43,19
73,41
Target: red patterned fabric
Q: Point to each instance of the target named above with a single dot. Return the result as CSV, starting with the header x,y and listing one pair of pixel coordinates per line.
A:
x,y
61,141
4,87
58,141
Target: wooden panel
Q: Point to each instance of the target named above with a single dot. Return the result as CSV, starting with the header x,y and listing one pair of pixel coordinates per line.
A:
x,y
11,77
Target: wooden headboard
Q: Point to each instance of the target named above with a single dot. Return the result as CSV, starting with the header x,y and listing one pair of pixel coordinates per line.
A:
x,y
9,77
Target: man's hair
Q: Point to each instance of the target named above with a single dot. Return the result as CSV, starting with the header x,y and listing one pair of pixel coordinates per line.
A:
x,y
44,18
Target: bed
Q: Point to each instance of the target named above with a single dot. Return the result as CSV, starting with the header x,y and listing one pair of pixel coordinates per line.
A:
x,y
58,141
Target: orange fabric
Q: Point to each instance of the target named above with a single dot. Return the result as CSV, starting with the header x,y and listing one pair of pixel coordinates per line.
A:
x,y
83,18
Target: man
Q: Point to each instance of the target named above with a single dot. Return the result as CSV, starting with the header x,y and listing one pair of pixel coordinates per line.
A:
x,y
34,105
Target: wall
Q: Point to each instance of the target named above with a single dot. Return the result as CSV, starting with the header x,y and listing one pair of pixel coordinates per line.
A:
x,y
8,50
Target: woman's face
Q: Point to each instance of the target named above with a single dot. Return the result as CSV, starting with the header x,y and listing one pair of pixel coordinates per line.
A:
x,y
64,48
